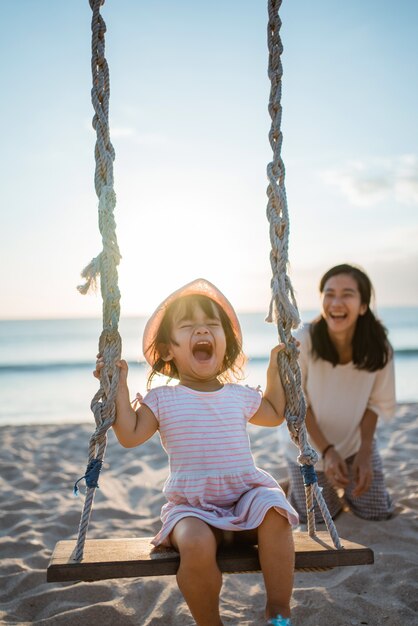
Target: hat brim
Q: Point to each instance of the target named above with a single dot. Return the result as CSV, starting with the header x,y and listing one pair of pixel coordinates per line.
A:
x,y
198,287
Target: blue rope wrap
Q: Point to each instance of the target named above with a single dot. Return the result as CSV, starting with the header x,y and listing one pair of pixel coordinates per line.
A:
x,y
91,476
308,474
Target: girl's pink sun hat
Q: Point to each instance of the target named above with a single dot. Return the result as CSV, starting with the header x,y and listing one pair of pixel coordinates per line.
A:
x,y
198,287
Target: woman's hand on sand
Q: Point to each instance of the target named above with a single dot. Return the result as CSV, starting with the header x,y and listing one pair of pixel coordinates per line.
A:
x,y
122,365
363,473
335,469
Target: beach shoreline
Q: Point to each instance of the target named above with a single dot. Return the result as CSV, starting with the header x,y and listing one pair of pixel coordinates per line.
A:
x,y
40,463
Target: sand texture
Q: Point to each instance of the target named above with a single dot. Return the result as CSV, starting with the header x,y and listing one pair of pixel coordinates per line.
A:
x,y
39,465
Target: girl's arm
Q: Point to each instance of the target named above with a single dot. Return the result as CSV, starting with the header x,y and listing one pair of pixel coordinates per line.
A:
x,y
271,409
132,428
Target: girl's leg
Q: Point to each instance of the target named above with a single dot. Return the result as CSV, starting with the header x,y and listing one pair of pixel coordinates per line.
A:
x,y
376,503
296,494
198,576
277,559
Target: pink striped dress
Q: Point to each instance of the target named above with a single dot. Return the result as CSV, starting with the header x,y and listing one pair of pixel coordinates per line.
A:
x,y
212,472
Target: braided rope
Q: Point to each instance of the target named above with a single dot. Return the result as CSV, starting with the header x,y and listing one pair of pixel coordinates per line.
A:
x,y
105,265
283,307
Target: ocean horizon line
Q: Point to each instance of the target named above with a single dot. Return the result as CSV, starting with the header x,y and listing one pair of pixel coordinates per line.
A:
x,y
136,363
130,316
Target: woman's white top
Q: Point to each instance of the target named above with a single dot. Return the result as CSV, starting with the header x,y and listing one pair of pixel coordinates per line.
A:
x,y
339,395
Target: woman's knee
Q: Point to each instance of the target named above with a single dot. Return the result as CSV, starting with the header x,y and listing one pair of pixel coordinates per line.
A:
x,y
375,509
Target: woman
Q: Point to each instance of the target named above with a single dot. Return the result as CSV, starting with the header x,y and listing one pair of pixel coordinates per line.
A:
x,y
348,380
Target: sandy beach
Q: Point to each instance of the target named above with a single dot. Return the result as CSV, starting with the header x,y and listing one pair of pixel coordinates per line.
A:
x,y
39,465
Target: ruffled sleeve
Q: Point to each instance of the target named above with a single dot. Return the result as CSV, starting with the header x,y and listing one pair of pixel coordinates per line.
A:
x,y
251,400
151,399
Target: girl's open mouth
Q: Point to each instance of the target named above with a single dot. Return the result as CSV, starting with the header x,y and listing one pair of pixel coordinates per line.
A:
x,y
202,351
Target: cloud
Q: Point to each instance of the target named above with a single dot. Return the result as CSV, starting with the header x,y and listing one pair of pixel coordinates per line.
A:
x,y
367,183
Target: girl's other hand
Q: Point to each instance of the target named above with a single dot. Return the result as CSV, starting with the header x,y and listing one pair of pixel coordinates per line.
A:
x,y
274,353
123,370
122,365
281,346
99,366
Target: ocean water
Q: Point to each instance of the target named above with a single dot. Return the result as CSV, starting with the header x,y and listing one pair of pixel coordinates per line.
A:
x,y
46,365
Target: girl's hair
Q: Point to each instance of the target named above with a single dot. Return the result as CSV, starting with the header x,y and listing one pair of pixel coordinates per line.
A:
x,y
234,357
371,348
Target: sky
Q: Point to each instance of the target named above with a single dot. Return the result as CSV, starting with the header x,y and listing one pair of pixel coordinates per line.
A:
x,y
189,124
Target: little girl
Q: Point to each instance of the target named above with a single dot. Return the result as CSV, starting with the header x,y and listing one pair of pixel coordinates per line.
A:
x,y
215,493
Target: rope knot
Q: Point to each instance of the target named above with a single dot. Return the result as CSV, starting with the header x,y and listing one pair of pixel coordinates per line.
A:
x,y
293,424
307,456
308,474
91,476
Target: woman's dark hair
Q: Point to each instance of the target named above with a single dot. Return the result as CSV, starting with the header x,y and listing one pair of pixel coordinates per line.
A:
x,y
371,348
234,357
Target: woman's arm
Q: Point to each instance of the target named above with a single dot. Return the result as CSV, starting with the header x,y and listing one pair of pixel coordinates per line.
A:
x,y
362,466
318,438
335,466
382,402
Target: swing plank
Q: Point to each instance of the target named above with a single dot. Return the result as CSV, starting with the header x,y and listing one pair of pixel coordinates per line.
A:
x,y
127,558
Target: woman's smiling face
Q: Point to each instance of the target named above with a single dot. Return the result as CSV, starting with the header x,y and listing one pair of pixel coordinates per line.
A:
x,y
341,303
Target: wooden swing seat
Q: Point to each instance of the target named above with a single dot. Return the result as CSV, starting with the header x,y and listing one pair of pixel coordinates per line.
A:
x,y
127,558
